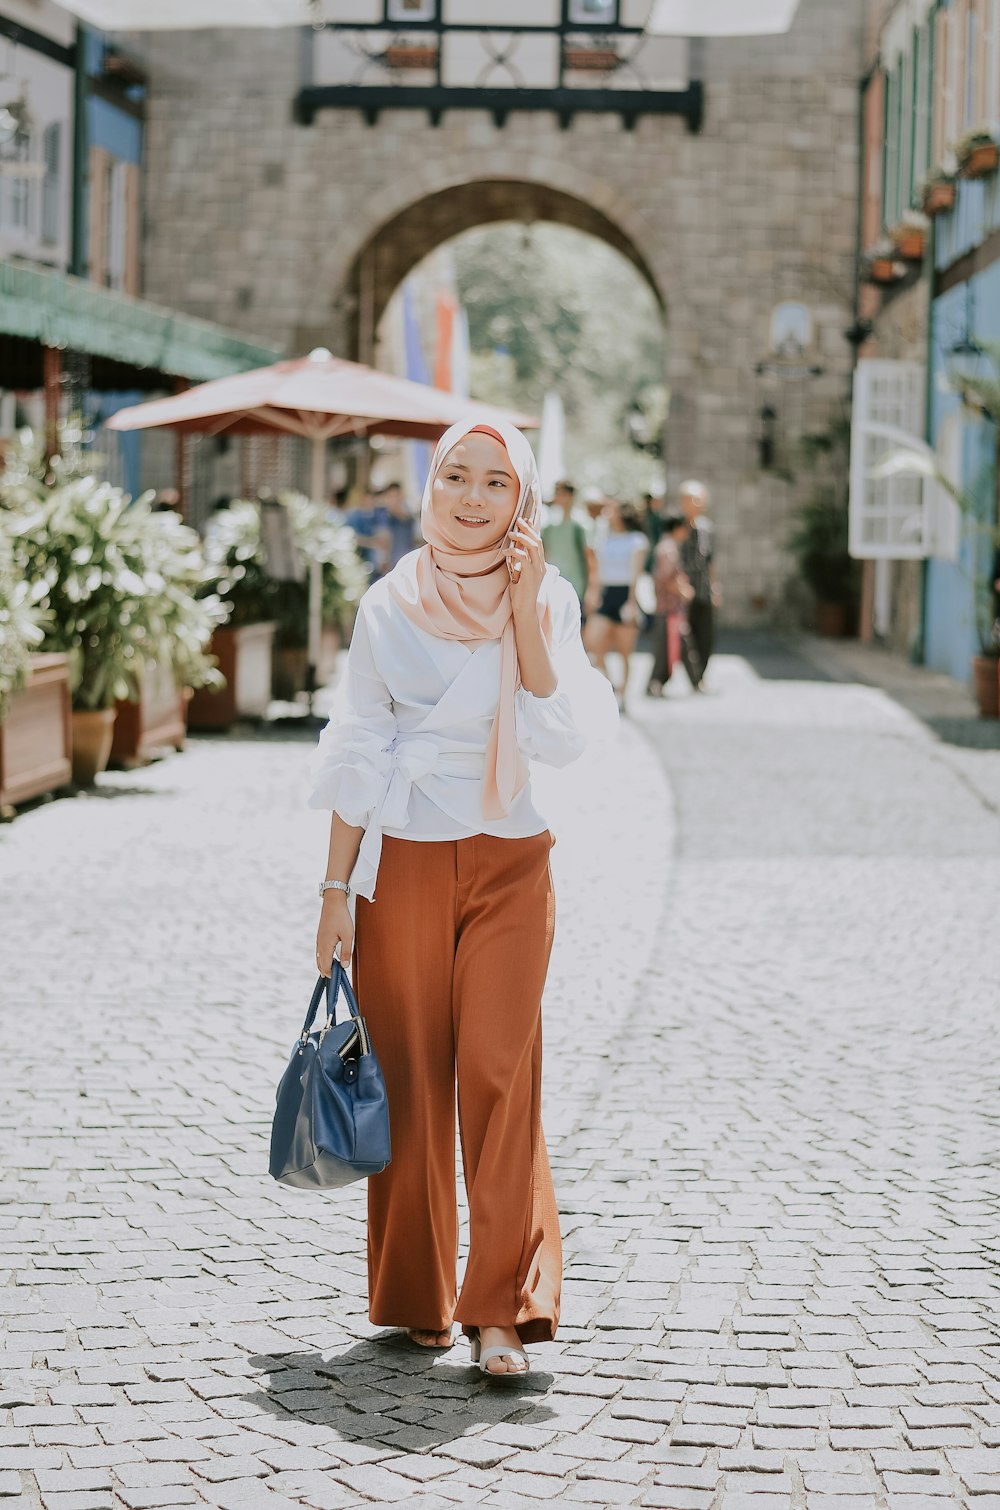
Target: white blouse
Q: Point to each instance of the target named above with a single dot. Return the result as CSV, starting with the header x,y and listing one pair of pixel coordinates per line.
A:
x,y
404,750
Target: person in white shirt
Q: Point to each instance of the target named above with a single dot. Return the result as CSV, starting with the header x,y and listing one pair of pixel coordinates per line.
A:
x,y
466,663
612,612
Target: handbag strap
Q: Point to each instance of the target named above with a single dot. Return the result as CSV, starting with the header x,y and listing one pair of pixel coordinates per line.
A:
x,y
330,987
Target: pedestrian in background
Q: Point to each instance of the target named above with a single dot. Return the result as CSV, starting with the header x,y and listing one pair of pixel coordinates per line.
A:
x,y
399,522
673,594
613,613
567,543
425,765
698,564
369,520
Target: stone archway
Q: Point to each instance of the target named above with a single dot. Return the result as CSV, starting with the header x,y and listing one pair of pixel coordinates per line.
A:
x,y
403,239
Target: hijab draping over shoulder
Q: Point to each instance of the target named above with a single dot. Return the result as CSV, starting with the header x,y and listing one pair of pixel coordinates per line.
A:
x,y
464,594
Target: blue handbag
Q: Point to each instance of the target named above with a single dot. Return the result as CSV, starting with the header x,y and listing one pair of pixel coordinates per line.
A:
x,y
331,1121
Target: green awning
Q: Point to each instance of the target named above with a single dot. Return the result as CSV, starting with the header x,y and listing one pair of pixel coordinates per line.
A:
x,y
57,310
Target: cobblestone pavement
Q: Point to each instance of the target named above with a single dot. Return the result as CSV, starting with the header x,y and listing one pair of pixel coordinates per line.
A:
x,y
771,1098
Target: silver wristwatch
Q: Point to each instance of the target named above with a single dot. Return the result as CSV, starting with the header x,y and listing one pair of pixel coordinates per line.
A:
x,y
334,886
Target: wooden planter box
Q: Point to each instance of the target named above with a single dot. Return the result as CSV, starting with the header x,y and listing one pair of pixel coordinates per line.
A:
x,y
591,59
289,671
244,657
404,58
159,718
938,197
36,741
980,161
986,680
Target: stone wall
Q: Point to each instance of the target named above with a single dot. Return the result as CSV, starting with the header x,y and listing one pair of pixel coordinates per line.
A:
x,y
263,224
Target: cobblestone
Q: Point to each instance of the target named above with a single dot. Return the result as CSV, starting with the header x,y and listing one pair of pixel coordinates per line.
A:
x,y
770,1101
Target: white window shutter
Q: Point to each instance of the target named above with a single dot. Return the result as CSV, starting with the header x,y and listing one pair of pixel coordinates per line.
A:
x,y
889,516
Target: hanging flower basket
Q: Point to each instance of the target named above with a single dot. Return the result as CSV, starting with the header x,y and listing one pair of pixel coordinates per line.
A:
x,y
938,196
884,270
402,57
591,59
909,241
979,160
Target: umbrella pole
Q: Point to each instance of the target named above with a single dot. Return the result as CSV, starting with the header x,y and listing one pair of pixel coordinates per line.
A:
x,y
315,639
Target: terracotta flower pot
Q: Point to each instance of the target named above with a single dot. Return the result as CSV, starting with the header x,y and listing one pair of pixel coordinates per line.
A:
x,y
986,677
910,245
980,161
938,197
93,732
884,270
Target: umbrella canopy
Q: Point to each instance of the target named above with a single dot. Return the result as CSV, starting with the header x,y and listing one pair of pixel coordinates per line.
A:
x,y
319,397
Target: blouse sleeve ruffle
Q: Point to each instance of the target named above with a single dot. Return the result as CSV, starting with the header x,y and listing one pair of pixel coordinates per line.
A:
x,y
350,766
582,712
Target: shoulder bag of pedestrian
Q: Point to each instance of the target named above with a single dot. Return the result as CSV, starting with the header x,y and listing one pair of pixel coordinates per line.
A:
x,y
331,1121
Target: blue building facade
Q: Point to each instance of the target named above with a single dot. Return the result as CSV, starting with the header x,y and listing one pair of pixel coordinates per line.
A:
x,y
965,313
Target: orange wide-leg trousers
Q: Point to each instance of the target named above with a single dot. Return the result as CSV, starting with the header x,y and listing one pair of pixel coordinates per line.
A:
x,y
450,962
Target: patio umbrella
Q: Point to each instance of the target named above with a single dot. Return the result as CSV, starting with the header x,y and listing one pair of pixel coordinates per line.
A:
x,y
318,397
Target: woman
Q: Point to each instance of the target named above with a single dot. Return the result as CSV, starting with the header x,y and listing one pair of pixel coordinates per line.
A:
x,y
613,618
673,593
466,662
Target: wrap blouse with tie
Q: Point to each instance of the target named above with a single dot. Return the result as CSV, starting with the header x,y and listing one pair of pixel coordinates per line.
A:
x,y
404,751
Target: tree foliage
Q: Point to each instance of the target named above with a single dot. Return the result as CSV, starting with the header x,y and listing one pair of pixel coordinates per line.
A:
x,y
552,309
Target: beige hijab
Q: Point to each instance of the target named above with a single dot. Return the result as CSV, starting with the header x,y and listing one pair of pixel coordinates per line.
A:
x,y
462,594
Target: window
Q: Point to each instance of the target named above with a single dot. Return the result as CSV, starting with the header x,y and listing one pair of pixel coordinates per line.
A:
x,y
970,114
114,222
51,184
17,191
923,77
891,157
907,107
991,63
593,12
889,517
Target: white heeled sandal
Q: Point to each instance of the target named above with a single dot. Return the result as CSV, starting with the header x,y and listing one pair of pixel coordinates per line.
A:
x,y
481,1358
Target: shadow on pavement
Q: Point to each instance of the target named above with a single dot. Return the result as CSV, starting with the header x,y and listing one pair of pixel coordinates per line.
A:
x,y
386,1393
967,733
773,658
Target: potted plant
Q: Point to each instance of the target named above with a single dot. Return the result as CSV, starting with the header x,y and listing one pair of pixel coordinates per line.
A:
x,y
235,547
977,153
117,581
937,192
243,643
34,693
882,264
909,237
819,541
344,579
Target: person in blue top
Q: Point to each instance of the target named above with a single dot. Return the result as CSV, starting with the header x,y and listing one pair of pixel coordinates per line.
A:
x,y
385,529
